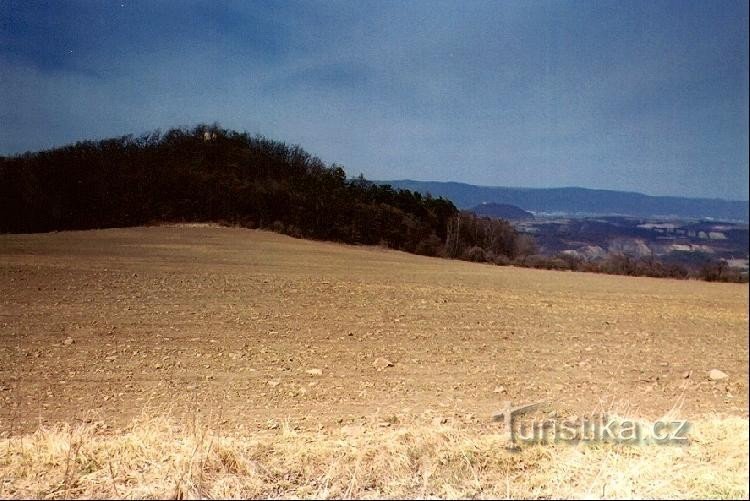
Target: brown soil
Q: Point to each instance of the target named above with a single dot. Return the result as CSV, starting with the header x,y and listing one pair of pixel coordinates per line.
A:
x,y
249,328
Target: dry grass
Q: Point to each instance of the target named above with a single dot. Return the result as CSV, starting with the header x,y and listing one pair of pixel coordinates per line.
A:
x,y
161,459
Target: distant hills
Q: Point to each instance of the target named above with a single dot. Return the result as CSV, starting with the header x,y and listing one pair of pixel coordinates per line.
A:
x,y
504,211
580,201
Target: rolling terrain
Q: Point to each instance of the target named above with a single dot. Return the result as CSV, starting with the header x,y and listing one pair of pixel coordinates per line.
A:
x,y
230,321
250,332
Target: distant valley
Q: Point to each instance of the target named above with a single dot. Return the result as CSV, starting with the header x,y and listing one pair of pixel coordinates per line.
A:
x,y
591,225
687,243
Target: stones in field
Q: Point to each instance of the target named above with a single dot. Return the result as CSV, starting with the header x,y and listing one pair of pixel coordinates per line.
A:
x,y
717,375
381,363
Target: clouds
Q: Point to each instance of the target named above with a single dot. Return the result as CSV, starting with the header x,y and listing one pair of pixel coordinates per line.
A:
x,y
641,96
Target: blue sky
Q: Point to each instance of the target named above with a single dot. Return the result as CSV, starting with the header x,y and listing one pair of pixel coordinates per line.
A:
x,y
641,96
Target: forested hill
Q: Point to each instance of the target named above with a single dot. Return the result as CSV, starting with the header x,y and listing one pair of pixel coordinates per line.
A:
x,y
210,174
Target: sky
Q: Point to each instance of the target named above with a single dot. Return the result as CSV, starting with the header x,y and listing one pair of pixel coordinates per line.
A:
x,y
639,96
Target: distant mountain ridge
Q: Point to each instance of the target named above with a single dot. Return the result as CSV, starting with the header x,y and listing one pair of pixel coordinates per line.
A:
x,y
504,211
580,200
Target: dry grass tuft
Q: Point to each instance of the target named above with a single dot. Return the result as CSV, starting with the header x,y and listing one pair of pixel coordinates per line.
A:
x,y
158,458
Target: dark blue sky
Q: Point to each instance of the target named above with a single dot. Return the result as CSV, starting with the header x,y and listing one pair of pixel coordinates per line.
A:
x,y
641,96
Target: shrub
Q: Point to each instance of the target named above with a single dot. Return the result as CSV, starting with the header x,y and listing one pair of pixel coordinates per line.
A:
x,y
501,260
431,246
475,254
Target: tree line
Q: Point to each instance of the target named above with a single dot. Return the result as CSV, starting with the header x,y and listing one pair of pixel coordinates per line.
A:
x,y
207,173
210,174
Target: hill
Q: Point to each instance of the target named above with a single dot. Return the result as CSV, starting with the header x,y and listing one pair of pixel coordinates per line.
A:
x,y
504,211
581,201
211,174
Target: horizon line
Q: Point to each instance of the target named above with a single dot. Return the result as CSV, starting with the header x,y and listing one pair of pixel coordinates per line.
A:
x,y
561,188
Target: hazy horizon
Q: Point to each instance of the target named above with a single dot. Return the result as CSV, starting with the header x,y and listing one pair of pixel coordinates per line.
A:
x,y
559,188
646,97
